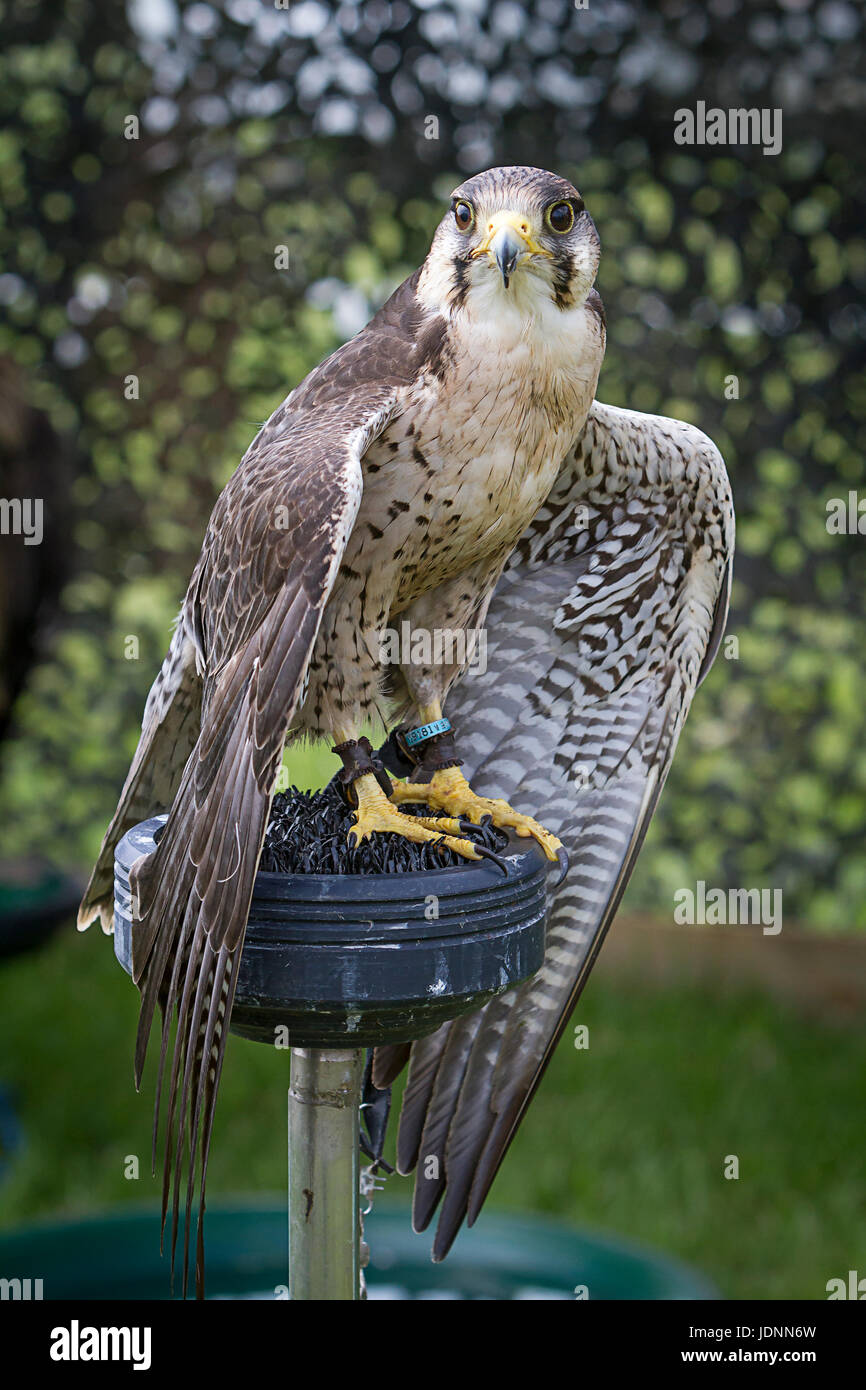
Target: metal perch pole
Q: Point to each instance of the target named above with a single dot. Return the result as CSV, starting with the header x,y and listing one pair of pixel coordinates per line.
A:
x,y
324,1173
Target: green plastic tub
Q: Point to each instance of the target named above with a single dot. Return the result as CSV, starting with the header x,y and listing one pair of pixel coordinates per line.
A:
x,y
502,1257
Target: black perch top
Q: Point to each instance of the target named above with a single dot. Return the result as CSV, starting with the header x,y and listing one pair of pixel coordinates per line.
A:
x,y
359,946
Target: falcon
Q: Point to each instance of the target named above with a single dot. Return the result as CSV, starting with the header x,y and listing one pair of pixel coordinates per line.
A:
x,y
449,468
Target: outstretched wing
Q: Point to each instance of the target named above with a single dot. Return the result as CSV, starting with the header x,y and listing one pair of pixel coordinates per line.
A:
x,y
604,622
248,625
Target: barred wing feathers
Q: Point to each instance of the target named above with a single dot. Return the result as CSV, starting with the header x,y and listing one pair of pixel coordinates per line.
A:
x,y
605,620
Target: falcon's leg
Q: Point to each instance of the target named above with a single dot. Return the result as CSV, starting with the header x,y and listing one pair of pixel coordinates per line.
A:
x,y
438,782
368,788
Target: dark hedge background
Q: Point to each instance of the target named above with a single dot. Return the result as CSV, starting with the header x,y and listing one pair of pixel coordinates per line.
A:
x,y
307,128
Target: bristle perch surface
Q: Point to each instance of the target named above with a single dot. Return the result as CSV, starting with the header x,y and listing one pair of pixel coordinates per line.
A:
x,y
308,833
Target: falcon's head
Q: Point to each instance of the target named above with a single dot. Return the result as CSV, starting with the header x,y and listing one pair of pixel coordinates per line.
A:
x,y
515,234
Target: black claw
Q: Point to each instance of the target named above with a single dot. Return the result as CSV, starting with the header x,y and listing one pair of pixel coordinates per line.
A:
x,y
564,863
490,854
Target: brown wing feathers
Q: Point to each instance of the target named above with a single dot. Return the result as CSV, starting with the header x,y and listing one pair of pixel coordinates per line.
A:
x,y
192,895
258,596
433,1140
192,899
217,716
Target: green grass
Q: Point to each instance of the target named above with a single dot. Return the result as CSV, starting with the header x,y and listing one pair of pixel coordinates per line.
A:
x,y
630,1135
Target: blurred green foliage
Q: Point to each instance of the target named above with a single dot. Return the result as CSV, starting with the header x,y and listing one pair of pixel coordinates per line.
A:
x,y
155,258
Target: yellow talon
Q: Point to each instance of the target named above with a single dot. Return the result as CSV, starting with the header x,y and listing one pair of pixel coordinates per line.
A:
x,y
449,791
376,812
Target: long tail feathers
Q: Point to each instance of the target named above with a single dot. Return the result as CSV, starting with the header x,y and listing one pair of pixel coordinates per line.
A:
x,y
191,900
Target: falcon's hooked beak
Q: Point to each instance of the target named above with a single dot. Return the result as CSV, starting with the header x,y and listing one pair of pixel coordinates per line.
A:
x,y
508,237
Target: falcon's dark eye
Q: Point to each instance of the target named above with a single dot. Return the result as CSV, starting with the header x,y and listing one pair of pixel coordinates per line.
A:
x,y
463,216
560,217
